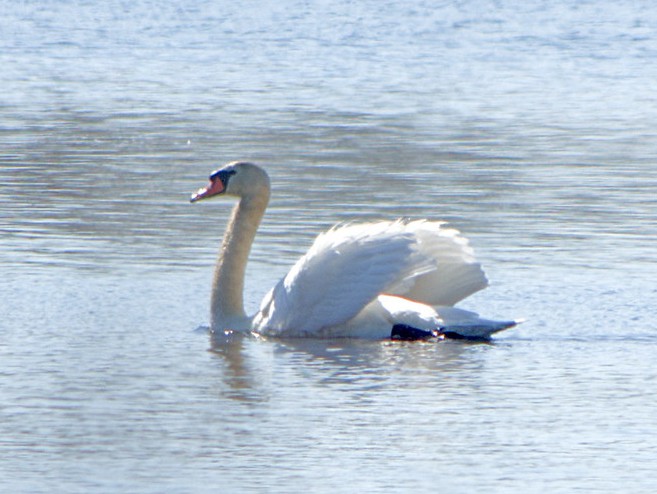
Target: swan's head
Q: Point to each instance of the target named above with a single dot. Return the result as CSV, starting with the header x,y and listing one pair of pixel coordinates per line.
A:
x,y
238,179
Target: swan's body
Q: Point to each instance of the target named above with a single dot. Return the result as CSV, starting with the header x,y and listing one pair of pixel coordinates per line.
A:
x,y
356,281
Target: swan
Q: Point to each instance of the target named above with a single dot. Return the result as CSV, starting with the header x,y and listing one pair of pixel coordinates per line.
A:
x,y
389,279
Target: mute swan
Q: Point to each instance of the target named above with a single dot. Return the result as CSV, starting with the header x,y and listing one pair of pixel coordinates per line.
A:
x,y
390,279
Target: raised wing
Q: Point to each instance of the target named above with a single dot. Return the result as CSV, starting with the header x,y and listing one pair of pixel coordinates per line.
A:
x,y
349,266
344,270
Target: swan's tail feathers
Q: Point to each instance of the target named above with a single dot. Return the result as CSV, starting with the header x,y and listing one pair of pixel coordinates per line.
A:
x,y
462,324
471,332
476,332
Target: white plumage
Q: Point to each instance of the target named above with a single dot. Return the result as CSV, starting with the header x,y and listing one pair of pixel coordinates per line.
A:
x,y
348,268
356,280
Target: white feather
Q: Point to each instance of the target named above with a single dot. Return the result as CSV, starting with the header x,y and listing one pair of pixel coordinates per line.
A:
x,y
330,290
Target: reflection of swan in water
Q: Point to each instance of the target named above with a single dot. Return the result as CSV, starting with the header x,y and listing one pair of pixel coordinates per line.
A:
x,y
253,368
374,280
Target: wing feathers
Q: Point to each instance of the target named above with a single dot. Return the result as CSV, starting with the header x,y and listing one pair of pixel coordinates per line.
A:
x,y
349,266
456,274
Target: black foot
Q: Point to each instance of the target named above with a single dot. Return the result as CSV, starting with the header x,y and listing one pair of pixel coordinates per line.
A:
x,y
451,335
408,333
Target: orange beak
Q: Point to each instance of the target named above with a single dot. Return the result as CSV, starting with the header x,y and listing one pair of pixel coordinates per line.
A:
x,y
213,188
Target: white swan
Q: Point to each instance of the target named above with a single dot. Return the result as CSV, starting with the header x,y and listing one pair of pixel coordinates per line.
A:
x,y
375,280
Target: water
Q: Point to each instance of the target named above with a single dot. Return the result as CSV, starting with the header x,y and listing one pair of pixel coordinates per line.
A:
x,y
530,128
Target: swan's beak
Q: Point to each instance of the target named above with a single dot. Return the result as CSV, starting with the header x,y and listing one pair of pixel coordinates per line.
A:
x,y
213,188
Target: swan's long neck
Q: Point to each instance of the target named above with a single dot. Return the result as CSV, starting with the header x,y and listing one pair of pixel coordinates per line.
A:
x,y
227,304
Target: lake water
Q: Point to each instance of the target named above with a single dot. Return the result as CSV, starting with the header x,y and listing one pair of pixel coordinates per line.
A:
x,y
530,127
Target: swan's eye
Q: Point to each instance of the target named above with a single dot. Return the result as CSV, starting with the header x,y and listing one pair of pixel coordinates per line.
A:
x,y
222,175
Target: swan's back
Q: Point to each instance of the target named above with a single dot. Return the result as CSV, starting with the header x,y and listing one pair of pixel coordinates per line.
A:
x,y
349,266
